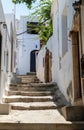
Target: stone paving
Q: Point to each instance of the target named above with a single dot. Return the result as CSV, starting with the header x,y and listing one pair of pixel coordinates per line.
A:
x,y
38,116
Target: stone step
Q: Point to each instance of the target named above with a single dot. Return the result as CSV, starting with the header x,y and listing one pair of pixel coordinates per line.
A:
x,y
30,81
32,93
31,73
29,78
44,84
36,84
26,76
33,87
41,126
18,98
34,106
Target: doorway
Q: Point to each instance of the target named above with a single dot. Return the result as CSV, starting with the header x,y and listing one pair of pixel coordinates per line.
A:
x,y
76,39
33,61
47,67
76,66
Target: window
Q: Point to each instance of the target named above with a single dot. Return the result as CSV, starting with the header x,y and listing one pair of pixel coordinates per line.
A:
x,y
32,27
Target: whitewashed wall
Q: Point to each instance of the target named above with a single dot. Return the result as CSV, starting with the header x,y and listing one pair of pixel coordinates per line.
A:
x,y
10,22
61,64
26,43
5,53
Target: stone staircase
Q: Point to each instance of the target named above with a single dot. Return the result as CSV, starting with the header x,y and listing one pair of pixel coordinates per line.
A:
x,y
36,106
31,94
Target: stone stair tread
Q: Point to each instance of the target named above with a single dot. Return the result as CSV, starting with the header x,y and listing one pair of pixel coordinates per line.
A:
x,y
27,99
19,96
32,84
43,84
26,76
36,84
29,77
33,88
35,106
29,73
32,93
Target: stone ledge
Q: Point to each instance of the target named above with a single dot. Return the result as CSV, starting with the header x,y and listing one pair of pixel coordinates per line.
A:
x,y
41,126
73,113
5,109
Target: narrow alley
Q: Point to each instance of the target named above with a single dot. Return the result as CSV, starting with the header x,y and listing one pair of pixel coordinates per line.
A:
x,y
42,65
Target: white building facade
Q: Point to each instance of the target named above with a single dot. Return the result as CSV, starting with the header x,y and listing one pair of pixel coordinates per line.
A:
x,y
27,44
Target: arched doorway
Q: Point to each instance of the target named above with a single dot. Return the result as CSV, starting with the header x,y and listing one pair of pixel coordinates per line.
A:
x,y
47,66
33,61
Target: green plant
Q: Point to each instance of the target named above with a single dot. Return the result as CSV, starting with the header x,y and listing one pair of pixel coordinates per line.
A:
x,y
42,11
28,2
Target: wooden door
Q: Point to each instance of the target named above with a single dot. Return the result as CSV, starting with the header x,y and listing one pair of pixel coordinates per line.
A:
x,y
76,66
47,66
33,62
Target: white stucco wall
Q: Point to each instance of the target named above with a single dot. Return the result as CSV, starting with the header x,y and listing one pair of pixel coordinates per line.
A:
x,y
10,21
5,53
26,43
61,64
2,18
41,55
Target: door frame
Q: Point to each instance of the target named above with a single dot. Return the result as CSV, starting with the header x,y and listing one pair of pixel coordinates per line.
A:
x,y
75,35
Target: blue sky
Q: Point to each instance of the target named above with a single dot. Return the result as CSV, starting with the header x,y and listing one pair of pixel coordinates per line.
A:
x,y
8,7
